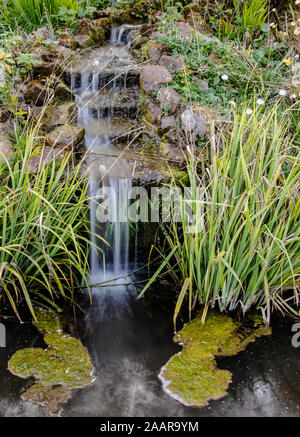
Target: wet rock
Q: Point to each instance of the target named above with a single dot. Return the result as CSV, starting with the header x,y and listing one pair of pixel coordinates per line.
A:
x,y
68,41
36,93
167,122
63,114
63,92
156,51
152,76
66,136
195,122
106,13
45,70
153,112
44,158
169,98
174,63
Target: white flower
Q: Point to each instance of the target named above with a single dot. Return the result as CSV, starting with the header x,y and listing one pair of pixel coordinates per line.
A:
x,y
260,102
249,111
282,92
232,103
293,96
296,56
224,77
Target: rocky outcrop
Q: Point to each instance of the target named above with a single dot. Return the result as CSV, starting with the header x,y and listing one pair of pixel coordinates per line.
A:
x,y
152,76
66,136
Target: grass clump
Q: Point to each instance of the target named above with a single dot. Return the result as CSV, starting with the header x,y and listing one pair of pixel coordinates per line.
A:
x,y
238,245
44,242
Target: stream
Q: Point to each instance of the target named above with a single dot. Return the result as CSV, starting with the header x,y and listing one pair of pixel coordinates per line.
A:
x,y
129,340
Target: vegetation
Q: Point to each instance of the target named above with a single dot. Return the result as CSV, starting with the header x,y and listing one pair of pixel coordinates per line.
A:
x,y
242,248
43,227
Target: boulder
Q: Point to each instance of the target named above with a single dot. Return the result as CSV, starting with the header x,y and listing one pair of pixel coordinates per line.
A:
x,y
66,136
152,76
153,112
36,93
174,63
169,98
196,120
63,114
47,155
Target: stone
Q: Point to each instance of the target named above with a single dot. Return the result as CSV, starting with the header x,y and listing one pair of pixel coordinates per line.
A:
x,y
84,41
36,93
167,122
6,148
174,62
68,41
39,35
153,111
105,13
66,136
156,51
92,29
45,70
152,76
185,30
155,35
172,153
195,122
63,114
169,98
47,155
63,92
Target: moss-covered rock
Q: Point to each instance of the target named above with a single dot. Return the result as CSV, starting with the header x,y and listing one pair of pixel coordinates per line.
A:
x,y
65,363
192,376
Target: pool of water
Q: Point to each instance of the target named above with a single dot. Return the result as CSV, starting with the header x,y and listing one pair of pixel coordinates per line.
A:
x,y
130,341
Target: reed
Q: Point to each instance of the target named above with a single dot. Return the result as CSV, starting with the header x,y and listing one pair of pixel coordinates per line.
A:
x,y
241,251
44,229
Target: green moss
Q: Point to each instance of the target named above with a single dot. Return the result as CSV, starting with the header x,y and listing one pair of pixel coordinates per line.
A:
x,y
192,376
64,363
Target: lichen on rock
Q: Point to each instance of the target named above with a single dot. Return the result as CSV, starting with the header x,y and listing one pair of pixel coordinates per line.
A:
x,y
65,364
192,376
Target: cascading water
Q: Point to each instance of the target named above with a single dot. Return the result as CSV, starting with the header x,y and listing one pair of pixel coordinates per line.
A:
x,y
105,86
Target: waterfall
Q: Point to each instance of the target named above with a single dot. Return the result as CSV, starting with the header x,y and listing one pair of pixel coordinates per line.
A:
x,y
100,84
